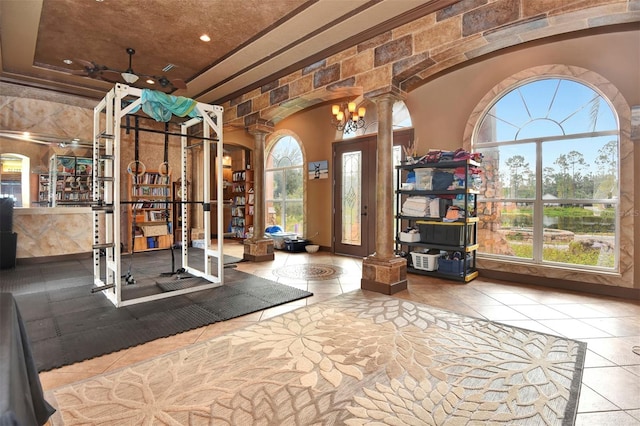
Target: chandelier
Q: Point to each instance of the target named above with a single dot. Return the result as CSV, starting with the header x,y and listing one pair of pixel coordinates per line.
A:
x,y
347,118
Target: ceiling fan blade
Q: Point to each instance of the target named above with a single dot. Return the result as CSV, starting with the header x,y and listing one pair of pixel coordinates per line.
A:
x,y
86,64
110,75
179,83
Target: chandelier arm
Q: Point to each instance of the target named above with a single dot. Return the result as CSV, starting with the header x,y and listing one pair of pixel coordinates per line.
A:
x,y
347,124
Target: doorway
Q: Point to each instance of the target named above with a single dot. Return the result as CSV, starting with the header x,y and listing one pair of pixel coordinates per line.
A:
x,y
354,196
354,193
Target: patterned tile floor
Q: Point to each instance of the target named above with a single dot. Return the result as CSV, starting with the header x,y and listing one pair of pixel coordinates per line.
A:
x,y
610,393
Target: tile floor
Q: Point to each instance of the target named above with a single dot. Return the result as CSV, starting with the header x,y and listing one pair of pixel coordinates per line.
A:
x,y
610,392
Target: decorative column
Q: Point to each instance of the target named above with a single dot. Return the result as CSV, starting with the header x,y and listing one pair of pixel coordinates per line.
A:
x,y
257,248
383,271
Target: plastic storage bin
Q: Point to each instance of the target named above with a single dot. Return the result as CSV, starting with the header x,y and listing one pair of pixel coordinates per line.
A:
x,y
446,233
409,237
424,261
453,266
295,246
423,179
279,239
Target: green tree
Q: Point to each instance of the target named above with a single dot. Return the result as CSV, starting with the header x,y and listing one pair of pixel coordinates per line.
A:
x,y
518,167
549,177
607,159
562,180
575,159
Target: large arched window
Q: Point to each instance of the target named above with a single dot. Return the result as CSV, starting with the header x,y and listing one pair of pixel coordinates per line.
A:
x,y
284,185
551,193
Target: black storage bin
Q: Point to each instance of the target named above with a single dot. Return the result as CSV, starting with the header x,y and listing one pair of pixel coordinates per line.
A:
x,y
8,246
6,214
295,246
445,233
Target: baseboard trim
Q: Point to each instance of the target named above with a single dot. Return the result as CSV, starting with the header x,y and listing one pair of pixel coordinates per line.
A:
x,y
599,289
49,259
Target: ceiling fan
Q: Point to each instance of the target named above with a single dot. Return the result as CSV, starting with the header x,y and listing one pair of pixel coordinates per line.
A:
x,y
102,72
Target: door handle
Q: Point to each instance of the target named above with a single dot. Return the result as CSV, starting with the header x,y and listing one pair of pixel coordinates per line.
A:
x,y
363,214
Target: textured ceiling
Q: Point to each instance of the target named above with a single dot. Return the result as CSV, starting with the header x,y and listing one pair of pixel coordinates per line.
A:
x,y
252,41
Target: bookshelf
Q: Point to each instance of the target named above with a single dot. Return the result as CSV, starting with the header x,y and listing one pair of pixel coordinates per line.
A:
x,y
149,214
70,181
43,188
242,203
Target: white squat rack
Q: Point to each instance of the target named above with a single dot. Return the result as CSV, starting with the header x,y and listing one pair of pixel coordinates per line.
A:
x,y
107,116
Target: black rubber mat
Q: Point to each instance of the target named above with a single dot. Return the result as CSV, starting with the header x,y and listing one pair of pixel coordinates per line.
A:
x,y
69,325
173,283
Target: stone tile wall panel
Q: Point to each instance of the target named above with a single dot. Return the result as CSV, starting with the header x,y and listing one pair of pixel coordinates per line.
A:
x,y
465,30
301,86
269,86
360,63
313,67
441,33
459,8
414,26
405,68
393,51
244,108
490,16
279,94
326,76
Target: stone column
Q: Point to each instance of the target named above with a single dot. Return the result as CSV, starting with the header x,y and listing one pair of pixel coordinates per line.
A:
x,y
257,248
384,272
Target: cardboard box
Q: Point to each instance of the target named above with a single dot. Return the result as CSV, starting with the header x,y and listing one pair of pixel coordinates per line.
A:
x,y
197,233
164,241
139,243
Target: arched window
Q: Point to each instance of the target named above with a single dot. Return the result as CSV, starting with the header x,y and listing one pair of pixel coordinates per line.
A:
x,y
551,192
284,185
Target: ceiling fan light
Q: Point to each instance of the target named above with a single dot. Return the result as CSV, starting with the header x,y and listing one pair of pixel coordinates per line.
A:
x,y
129,77
362,111
352,107
335,109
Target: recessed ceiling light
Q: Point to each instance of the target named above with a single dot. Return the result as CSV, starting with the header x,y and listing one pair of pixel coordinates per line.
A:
x,y
205,38
68,61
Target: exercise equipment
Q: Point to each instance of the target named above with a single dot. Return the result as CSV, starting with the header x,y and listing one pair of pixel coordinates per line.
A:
x,y
128,277
119,102
167,172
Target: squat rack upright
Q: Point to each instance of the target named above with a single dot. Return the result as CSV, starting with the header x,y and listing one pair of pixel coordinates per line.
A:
x,y
107,117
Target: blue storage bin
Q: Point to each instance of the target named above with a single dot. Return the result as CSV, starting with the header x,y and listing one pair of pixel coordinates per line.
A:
x,y
453,266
